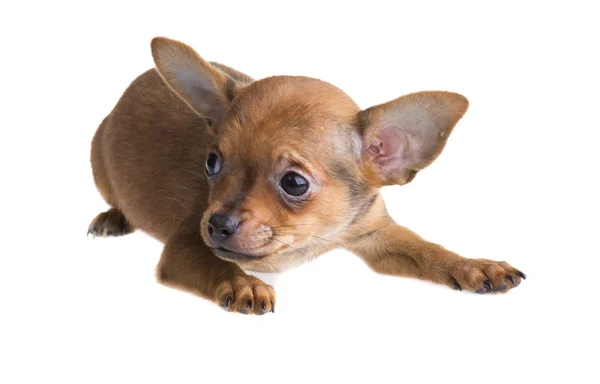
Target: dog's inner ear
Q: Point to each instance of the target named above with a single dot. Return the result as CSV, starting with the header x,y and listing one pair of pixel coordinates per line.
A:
x,y
206,89
403,136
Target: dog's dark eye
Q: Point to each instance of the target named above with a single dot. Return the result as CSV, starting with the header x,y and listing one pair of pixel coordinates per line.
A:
x,y
293,184
213,164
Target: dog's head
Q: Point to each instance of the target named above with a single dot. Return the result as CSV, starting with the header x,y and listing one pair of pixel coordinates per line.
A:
x,y
294,160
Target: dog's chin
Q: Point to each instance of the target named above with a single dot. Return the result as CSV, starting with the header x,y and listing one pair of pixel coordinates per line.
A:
x,y
228,255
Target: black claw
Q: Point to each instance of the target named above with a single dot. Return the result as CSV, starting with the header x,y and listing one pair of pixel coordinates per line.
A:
x,y
264,306
250,304
89,233
521,275
456,285
488,286
512,280
228,301
273,308
501,288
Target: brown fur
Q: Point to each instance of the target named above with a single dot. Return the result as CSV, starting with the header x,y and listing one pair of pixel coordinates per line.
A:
x,y
148,159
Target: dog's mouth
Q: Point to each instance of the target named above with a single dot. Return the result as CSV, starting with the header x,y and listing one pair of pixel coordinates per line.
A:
x,y
254,248
230,255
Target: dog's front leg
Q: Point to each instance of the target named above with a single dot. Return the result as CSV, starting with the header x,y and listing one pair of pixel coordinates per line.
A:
x,y
188,264
391,249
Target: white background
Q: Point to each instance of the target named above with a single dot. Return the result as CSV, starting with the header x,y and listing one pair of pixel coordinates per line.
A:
x,y
517,182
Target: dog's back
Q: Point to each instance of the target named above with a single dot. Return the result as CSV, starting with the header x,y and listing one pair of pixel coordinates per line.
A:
x,y
147,157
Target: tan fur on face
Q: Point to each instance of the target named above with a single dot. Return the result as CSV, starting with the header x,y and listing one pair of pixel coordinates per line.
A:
x,y
287,123
148,158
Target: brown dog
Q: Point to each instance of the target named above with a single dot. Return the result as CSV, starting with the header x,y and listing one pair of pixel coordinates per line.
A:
x,y
233,174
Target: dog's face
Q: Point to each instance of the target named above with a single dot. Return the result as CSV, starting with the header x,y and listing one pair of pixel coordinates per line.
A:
x,y
283,169
293,160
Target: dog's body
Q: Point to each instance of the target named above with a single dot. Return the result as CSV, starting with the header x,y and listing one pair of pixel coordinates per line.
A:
x,y
137,154
294,170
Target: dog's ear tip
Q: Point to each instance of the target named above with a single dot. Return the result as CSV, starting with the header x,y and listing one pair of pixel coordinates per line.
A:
x,y
157,44
157,41
461,103
457,99
462,100
161,43
456,103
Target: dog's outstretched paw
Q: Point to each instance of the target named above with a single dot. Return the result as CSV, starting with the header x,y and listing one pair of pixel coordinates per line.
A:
x,y
245,294
485,276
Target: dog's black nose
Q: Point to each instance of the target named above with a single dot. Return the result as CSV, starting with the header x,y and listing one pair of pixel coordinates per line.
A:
x,y
221,226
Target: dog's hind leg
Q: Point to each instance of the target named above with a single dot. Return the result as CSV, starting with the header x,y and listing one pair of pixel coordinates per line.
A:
x,y
110,223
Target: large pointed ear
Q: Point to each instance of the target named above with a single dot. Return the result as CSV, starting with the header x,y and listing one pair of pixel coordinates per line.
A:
x,y
403,136
206,89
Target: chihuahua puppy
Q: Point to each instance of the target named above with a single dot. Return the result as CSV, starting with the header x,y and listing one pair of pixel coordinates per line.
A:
x,y
234,174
